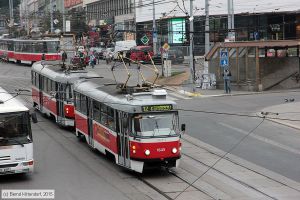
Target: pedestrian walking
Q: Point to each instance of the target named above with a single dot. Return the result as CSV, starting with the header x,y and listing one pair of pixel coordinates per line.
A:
x,y
92,60
227,79
128,54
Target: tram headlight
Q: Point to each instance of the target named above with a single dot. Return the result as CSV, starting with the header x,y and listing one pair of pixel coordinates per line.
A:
x,y
174,150
147,152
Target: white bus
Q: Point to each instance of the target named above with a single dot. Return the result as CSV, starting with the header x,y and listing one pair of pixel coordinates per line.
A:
x,y
16,147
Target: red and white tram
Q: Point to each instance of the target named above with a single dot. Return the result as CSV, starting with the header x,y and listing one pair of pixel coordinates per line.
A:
x,y
52,90
138,130
29,51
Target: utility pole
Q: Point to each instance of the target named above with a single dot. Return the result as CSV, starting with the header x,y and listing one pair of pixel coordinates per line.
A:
x,y
154,34
11,11
51,17
64,16
191,19
207,42
231,33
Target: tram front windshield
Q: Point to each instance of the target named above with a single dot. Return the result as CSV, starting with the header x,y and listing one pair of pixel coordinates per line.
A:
x,y
156,125
14,128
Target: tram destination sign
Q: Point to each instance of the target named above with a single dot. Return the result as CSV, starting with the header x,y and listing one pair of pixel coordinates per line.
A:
x,y
152,108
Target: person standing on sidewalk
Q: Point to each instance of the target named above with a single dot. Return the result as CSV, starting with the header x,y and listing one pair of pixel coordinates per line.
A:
x,y
227,78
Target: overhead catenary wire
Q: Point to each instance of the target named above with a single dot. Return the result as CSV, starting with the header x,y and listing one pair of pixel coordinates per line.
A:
x,y
263,114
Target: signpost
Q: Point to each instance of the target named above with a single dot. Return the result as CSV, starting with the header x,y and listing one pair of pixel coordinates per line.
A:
x,y
145,39
224,61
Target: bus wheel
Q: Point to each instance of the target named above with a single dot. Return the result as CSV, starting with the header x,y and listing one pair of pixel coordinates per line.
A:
x,y
18,61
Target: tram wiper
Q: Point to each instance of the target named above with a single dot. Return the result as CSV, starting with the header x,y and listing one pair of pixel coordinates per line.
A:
x,y
156,126
7,139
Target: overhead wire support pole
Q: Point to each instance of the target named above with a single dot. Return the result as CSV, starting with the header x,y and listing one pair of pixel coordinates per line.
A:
x,y
11,11
64,16
191,19
207,45
51,16
231,34
154,34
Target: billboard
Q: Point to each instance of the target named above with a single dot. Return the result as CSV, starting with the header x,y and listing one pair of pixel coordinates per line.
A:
x,y
177,33
71,3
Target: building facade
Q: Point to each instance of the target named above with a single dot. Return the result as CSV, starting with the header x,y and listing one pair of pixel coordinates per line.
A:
x,y
265,20
113,17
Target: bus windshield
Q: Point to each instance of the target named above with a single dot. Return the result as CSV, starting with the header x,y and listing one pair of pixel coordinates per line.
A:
x,y
156,125
14,128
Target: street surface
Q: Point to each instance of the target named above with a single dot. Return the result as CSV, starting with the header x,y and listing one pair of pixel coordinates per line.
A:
x,y
264,165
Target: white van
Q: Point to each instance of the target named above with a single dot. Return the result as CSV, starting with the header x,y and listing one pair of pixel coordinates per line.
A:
x,y
123,46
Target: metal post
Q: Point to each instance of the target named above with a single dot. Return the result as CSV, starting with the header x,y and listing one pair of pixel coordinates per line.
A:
x,y
191,41
51,17
11,11
154,34
64,16
207,45
231,33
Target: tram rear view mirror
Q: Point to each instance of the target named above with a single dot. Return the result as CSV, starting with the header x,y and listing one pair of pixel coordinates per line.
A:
x,y
34,118
183,127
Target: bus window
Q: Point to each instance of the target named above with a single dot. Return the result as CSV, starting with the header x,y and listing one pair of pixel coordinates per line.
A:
x,y
16,125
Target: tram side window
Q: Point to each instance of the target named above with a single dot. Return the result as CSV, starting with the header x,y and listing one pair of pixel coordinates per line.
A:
x,y
111,118
37,84
45,83
69,94
96,111
77,101
83,104
10,46
49,85
103,114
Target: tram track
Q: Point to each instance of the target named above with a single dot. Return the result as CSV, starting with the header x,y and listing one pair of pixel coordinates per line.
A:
x,y
234,162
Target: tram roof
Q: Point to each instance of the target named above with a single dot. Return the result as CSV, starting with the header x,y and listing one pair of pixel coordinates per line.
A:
x,y
54,71
104,90
9,104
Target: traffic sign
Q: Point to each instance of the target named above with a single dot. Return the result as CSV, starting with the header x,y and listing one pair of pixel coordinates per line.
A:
x,y
166,46
145,39
224,61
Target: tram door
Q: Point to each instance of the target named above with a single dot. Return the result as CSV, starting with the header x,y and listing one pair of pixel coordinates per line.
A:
x,y
123,139
90,122
60,94
41,86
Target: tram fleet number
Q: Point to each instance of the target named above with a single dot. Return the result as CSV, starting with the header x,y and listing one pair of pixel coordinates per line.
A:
x,y
152,108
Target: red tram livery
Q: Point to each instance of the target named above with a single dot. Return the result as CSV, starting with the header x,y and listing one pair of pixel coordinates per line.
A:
x,y
29,51
52,90
138,130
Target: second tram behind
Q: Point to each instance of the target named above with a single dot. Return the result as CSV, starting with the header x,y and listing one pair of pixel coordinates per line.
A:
x,y
52,90
29,51
138,130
